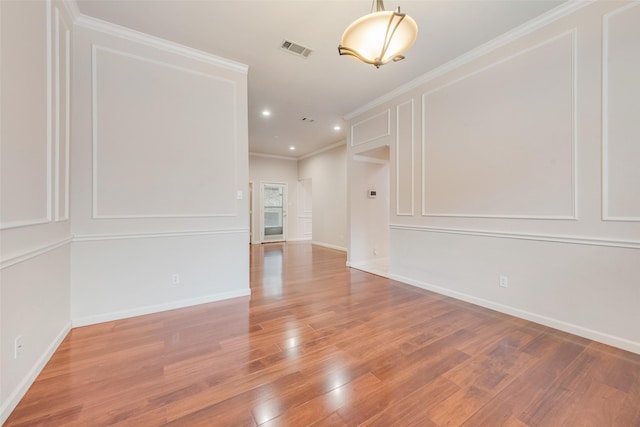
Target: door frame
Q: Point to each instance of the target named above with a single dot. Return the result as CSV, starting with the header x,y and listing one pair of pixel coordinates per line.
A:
x,y
285,208
251,212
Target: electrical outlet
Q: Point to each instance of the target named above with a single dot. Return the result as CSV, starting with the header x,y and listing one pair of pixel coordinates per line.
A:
x,y
175,279
17,347
504,282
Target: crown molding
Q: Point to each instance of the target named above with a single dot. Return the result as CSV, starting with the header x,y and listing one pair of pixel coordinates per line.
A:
x,y
528,27
322,150
72,9
158,43
272,156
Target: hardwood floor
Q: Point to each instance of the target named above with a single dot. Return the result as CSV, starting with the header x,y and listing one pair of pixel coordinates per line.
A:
x,y
321,344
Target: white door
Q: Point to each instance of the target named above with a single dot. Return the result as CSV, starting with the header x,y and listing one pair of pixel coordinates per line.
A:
x,y
274,212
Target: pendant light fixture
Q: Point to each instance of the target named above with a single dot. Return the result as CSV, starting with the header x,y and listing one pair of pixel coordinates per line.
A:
x,y
379,37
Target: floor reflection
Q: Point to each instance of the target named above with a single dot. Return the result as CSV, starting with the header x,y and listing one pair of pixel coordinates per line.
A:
x,y
272,270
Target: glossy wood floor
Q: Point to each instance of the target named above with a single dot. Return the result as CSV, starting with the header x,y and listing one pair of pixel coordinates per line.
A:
x,y
321,344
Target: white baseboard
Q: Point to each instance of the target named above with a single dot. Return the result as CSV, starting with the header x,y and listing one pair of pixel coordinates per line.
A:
x,y
370,266
571,328
299,239
139,311
327,245
16,395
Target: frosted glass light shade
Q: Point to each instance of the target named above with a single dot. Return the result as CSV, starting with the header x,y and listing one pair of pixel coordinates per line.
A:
x,y
379,37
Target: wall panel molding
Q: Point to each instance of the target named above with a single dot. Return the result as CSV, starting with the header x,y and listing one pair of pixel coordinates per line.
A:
x,y
566,203
158,43
372,128
555,238
400,141
478,52
62,101
48,202
213,83
632,90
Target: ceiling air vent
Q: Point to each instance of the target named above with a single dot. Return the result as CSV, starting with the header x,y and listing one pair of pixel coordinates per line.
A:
x,y
295,48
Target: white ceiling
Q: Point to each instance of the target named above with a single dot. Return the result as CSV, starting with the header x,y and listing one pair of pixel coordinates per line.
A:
x,y
324,87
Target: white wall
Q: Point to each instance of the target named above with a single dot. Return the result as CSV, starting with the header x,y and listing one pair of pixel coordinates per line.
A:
x,y
327,172
157,166
275,171
368,216
159,154
34,147
369,157
305,208
521,160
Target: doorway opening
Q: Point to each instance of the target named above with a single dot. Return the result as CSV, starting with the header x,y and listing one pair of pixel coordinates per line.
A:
x,y
369,211
274,212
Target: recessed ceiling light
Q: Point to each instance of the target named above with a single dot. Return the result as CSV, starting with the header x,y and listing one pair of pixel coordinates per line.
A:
x,y
336,128
266,113
292,148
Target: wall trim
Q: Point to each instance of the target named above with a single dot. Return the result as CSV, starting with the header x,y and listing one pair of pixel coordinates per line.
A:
x,y
23,223
412,212
329,246
49,111
605,117
388,131
545,19
72,9
67,125
95,24
150,235
49,126
95,48
157,308
299,239
61,25
32,253
323,149
271,156
367,267
574,166
554,238
367,159
18,393
527,315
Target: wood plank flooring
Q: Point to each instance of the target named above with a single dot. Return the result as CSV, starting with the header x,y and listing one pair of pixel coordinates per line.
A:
x,y
324,345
